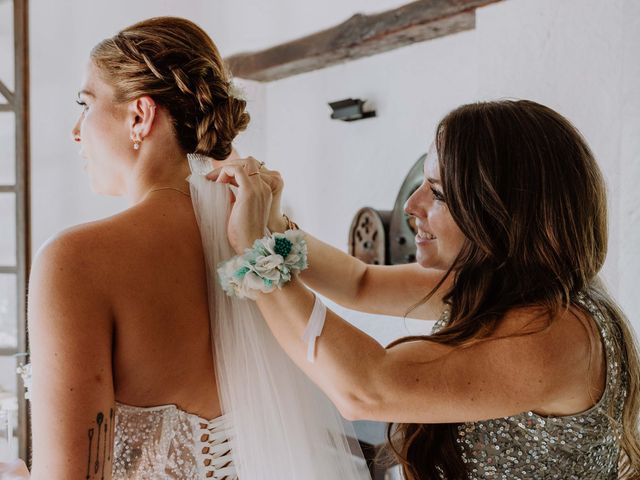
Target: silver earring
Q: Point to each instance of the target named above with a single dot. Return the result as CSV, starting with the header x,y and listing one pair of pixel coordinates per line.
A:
x,y
136,144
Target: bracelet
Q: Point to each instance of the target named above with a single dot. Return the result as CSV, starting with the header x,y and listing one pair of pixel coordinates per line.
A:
x,y
291,225
268,265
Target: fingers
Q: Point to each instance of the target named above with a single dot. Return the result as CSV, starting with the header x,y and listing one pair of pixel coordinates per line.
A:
x,y
249,163
248,185
273,180
236,175
252,168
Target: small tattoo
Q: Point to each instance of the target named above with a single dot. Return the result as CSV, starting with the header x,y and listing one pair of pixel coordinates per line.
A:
x,y
99,419
90,450
104,450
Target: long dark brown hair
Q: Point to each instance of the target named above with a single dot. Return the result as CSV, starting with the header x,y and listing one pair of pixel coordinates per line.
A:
x,y
524,188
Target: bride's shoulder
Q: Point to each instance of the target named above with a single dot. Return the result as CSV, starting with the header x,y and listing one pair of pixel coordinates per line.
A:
x,y
90,247
71,240
68,281
98,237
115,243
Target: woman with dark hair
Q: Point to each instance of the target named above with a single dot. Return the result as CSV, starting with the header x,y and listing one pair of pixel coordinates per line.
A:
x,y
531,371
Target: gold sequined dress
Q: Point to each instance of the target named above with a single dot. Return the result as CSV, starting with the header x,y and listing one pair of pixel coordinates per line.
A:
x,y
584,446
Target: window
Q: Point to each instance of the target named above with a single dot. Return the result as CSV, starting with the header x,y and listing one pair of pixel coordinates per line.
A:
x,y
14,225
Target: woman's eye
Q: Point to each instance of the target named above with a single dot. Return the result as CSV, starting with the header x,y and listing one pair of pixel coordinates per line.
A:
x,y
437,195
82,104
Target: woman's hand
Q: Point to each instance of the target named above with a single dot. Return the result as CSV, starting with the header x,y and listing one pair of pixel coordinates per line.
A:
x,y
14,470
276,222
251,202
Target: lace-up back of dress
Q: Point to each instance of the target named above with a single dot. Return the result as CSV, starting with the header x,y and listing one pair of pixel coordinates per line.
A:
x,y
167,443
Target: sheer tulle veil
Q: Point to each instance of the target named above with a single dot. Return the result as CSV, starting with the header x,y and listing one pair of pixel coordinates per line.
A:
x,y
283,426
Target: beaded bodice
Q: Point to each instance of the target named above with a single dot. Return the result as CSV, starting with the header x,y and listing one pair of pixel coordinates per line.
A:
x,y
582,446
165,442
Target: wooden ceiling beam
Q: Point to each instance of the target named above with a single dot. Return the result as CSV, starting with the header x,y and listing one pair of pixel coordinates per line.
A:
x,y
360,36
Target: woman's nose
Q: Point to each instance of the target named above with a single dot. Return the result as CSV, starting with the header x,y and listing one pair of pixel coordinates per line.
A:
x,y
413,206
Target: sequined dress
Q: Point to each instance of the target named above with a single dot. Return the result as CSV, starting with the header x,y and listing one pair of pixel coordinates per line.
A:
x,y
583,446
164,442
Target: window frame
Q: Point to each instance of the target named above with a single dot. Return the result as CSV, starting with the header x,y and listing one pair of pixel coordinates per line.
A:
x,y
18,103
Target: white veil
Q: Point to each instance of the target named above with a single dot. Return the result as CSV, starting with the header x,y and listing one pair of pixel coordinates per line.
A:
x,y
283,426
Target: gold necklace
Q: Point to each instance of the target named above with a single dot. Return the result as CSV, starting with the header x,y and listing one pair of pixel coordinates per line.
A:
x,y
166,188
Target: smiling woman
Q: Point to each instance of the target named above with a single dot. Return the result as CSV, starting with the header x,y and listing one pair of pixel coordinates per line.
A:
x,y
532,370
439,239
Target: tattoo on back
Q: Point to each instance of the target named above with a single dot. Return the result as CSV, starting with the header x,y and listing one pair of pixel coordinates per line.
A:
x,y
90,443
99,420
104,430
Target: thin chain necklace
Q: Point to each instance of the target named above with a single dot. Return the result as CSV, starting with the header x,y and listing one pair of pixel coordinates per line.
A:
x,y
166,188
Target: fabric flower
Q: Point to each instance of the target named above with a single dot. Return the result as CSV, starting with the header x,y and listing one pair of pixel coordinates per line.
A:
x,y
269,264
267,267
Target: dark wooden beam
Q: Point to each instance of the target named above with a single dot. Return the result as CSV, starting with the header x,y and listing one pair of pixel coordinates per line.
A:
x,y
360,36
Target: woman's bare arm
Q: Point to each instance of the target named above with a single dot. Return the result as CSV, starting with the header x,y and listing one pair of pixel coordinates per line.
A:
x,y
385,290
425,382
70,332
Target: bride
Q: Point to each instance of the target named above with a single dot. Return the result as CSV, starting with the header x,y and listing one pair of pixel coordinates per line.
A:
x,y
124,318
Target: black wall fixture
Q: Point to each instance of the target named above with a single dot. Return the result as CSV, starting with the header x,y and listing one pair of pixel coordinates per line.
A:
x,y
382,237
350,109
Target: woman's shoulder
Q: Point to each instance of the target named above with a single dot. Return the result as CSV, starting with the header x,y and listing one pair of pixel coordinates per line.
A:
x,y
72,247
112,237
533,319
563,340
557,341
67,285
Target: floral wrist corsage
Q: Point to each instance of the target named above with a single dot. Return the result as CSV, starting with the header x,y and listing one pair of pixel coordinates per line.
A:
x,y
268,265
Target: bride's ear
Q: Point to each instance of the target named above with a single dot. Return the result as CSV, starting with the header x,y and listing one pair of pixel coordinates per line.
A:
x,y
142,113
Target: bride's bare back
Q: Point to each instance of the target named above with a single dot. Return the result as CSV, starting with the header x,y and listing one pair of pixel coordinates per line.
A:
x,y
118,308
118,312
162,345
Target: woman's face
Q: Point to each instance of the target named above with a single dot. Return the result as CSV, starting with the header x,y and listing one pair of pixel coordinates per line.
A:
x,y
439,239
103,132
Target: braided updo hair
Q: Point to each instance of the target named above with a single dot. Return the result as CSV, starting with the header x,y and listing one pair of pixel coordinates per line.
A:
x,y
176,63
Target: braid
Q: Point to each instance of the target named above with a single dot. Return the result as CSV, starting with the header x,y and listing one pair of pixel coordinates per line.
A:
x,y
176,63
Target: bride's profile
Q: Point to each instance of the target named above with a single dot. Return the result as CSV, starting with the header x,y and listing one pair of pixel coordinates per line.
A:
x,y
136,371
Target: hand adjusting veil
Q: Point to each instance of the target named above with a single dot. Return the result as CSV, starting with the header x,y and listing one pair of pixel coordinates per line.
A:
x,y
283,426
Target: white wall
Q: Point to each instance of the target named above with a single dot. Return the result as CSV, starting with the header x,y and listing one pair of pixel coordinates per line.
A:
x,y
578,56
626,189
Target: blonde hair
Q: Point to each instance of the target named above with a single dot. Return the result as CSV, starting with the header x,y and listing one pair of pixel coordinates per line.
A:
x,y
176,63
